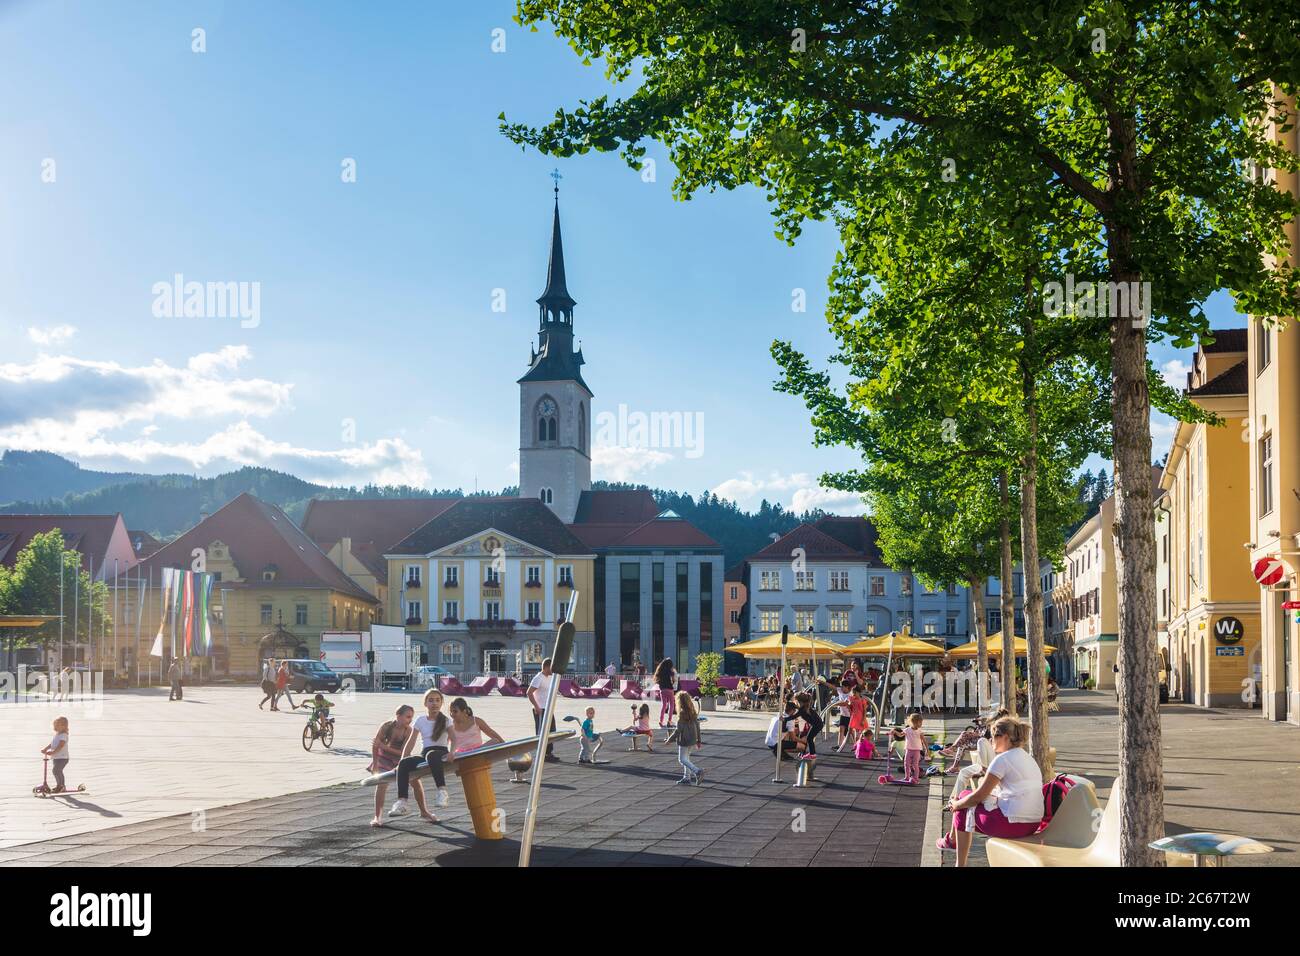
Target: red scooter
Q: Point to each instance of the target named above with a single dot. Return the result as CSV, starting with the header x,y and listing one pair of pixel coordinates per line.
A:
x,y
45,790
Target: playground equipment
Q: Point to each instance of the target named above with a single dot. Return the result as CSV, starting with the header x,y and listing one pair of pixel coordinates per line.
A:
x,y
473,768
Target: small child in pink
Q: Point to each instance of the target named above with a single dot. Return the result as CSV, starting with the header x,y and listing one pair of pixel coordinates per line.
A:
x,y
915,748
640,728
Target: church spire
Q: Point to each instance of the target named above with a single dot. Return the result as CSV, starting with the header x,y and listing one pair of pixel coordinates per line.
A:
x,y
556,303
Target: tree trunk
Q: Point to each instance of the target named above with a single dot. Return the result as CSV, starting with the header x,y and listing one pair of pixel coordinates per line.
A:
x,y
1036,678
1008,602
981,644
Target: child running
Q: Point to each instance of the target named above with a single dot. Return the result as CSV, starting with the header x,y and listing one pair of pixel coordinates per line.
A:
x,y
467,730
386,751
589,741
687,734
640,728
57,751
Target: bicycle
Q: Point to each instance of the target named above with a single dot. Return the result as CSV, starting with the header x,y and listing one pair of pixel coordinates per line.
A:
x,y
322,731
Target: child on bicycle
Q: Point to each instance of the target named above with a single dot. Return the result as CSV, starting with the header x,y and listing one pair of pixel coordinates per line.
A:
x,y
320,711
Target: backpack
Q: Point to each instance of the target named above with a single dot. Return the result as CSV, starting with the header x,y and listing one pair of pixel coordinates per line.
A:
x,y
1054,792
864,749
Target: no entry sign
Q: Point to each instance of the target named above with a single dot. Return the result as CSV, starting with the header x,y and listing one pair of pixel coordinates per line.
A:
x,y
1270,571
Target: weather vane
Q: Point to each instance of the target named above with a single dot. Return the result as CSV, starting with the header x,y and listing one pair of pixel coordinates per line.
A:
x,y
555,174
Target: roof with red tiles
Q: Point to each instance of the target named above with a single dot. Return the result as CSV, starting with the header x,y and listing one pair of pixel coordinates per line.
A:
x,y
101,539
827,539
630,519
259,535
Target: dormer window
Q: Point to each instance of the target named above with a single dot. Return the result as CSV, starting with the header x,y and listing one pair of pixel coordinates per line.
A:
x,y
269,572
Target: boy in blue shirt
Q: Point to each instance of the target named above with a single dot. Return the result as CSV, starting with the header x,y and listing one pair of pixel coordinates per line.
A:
x,y
589,739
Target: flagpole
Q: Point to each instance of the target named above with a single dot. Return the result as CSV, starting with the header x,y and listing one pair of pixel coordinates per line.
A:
x,y
60,606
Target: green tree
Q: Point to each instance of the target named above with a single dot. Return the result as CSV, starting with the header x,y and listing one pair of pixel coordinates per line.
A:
x,y
1147,114
32,587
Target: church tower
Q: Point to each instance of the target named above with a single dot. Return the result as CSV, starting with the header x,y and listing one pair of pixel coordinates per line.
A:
x,y
554,401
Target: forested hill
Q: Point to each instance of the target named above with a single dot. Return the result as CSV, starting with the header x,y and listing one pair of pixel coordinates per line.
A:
x,y
166,505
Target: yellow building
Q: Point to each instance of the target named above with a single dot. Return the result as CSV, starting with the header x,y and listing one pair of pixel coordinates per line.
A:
x,y
483,585
1089,575
1213,610
274,593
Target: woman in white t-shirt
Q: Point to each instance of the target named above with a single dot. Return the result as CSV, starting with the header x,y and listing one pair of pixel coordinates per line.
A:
x,y
431,730
1009,801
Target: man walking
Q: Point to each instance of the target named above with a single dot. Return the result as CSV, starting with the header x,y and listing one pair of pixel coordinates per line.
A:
x,y
174,678
539,691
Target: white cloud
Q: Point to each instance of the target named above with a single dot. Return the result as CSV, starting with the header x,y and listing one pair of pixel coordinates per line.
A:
x,y
623,462
52,335
1163,429
799,491
75,407
1174,372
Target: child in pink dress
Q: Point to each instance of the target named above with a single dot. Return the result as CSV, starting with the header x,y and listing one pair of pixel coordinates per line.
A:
x,y
915,748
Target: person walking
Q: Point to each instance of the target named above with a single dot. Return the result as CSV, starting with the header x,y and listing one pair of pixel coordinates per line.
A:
x,y
268,684
665,677
282,686
539,691
174,678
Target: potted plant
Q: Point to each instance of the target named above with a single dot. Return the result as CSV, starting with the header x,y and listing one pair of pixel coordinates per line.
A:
x,y
708,666
450,620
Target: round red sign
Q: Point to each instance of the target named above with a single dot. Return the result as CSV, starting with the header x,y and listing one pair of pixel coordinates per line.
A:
x,y
1270,571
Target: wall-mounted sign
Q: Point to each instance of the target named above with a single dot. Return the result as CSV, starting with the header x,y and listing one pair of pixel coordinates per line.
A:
x,y
1228,630
1229,652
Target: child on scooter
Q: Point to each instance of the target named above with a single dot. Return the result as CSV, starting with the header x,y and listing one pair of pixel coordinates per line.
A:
x,y
57,752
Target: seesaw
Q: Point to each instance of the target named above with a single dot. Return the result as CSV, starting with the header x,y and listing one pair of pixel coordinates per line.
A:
x,y
472,767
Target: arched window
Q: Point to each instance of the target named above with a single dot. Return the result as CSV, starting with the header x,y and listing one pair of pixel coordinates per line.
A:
x,y
547,496
548,420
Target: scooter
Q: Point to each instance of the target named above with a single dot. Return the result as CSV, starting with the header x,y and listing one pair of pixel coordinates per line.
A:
x,y
45,790
888,777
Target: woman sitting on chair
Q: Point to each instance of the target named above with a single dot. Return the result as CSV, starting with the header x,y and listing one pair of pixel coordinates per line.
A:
x,y
1009,800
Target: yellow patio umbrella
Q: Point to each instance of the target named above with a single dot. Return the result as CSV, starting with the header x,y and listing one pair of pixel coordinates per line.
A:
x,y
798,646
897,645
994,647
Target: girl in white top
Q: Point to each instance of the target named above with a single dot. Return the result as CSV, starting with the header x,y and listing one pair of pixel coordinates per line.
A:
x,y
1009,801
432,731
57,751
467,730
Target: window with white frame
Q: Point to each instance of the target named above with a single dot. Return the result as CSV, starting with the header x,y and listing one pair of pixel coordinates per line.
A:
x,y
413,574
1264,345
804,581
952,624
414,611
877,585
839,622
805,620
1266,474
839,580
534,611
451,653
491,577
452,574
492,610
451,610
562,612
769,581
769,620
930,624
534,574
735,616
564,574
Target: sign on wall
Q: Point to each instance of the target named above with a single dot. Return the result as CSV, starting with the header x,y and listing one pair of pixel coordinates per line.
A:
x,y
1228,630
1229,652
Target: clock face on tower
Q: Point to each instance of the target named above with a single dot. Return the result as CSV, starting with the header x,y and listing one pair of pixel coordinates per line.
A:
x,y
547,407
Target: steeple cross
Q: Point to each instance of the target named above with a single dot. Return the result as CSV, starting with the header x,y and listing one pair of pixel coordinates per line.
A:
x,y
555,174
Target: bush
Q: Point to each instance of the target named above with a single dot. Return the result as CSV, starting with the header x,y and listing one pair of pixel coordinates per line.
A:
x,y
707,668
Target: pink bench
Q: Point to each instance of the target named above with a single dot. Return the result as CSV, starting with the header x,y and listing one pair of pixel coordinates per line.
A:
x,y
509,687
479,687
631,690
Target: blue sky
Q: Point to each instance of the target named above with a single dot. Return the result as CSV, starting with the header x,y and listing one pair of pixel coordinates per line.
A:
x,y
376,353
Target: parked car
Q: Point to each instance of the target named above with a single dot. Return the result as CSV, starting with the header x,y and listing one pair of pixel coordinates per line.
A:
x,y
306,675
427,675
